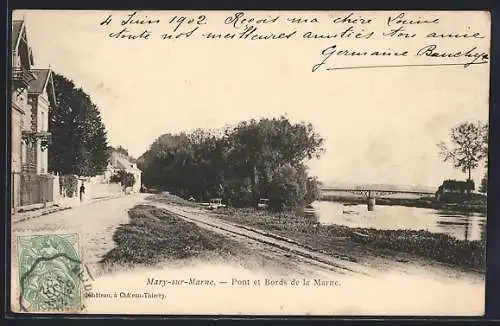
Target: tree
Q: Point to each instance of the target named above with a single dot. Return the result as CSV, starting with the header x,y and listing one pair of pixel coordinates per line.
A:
x,y
484,181
256,158
468,146
79,139
125,178
313,192
258,149
285,189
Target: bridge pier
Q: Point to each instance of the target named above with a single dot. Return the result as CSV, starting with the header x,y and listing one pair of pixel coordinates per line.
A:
x,y
371,203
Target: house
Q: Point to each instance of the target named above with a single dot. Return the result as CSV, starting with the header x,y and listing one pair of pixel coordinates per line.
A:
x,y
22,61
41,97
32,98
453,190
117,162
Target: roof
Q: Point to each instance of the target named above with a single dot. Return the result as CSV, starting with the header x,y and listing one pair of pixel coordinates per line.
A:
x,y
42,83
18,32
118,161
38,85
17,28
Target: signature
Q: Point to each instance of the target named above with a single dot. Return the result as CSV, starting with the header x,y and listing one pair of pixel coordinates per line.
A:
x,y
473,56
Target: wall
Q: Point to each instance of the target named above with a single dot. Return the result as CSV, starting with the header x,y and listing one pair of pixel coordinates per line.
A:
x,y
56,191
137,184
101,190
16,140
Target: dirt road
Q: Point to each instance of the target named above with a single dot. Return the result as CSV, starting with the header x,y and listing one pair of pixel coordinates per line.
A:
x,y
94,222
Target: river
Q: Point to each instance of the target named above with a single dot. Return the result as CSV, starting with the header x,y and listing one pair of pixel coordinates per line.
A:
x,y
461,225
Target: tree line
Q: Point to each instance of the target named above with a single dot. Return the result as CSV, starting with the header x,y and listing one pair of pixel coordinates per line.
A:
x,y
255,159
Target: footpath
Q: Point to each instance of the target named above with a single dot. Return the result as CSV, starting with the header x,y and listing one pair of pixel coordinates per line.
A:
x,y
56,207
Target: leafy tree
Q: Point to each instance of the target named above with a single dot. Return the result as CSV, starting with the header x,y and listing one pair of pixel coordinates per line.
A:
x,y
256,158
285,189
484,181
313,192
467,148
258,149
79,139
125,178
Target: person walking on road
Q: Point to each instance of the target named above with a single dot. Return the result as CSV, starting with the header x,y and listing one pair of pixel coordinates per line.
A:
x,y
82,191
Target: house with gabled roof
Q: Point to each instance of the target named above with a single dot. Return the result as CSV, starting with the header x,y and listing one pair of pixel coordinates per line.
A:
x,y
22,60
41,97
32,98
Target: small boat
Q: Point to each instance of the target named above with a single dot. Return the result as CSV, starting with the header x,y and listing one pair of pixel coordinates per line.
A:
x,y
309,209
215,203
263,203
350,212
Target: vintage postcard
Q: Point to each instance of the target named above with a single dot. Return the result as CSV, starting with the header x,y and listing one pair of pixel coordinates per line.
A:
x,y
249,162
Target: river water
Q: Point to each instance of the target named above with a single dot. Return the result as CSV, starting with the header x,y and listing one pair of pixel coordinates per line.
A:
x,y
461,225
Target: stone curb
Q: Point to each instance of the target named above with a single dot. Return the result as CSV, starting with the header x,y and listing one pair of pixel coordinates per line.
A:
x,y
57,209
41,213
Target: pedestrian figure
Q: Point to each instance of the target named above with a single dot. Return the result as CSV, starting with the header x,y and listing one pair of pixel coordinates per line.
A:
x,y
82,191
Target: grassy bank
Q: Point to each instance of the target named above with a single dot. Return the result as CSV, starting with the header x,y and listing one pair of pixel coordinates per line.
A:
x,y
155,235
476,206
171,199
403,245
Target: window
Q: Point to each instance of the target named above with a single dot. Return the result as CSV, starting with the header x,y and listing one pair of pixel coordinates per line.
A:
x,y
23,152
42,122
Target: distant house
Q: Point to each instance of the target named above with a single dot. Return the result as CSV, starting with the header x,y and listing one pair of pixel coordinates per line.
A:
x,y
453,190
117,162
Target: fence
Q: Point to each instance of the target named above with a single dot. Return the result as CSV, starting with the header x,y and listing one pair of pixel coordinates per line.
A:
x,y
29,189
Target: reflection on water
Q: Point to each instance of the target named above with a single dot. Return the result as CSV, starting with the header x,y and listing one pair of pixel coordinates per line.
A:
x,y
461,225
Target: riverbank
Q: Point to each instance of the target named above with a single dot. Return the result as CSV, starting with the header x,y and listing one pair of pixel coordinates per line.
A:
x,y
476,206
363,244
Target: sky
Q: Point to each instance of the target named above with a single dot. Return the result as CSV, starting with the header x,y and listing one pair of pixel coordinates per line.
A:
x,y
379,125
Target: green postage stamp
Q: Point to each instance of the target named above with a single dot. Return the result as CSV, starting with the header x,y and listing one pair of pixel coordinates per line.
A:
x,y
49,267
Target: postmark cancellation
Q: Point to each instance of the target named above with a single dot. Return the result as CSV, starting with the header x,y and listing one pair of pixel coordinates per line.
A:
x,y
49,273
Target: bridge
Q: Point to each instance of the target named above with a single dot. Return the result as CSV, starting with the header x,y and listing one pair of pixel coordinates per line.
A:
x,y
372,193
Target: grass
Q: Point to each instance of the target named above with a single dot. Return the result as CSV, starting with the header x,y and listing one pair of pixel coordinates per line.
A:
x,y
154,235
337,240
171,199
